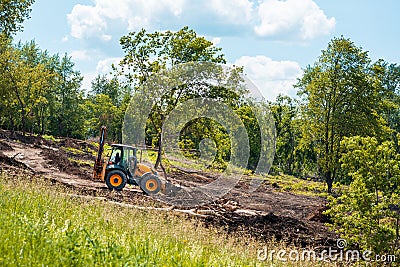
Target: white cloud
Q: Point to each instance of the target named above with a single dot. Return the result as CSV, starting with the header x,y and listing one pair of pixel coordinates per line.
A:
x,y
233,11
88,77
94,20
65,39
106,37
103,68
104,65
86,21
302,16
271,77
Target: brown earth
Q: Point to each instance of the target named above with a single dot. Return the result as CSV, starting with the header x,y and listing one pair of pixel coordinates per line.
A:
x,y
263,214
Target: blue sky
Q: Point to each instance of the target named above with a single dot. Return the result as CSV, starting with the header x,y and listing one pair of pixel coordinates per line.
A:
x,y
273,39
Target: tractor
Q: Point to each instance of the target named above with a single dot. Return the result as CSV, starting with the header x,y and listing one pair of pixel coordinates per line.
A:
x,y
121,167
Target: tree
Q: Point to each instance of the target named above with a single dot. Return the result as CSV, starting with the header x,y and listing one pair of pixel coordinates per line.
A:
x,y
25,83
339,99
388,77
40,93
110,87
284,111
149,53
106,104
67,100
368,213
12,15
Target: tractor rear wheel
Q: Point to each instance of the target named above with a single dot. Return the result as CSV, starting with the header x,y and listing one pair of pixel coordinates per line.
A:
x,y
116,180
150,184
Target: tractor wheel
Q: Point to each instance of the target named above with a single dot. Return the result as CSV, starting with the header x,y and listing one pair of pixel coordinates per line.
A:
x,y
116,180
150,184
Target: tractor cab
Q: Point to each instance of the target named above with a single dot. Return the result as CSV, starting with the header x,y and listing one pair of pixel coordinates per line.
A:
x,y
122,156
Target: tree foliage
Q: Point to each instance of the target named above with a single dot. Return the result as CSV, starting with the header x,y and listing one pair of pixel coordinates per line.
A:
x,y
12,15
388,78
40,92
368,213
340,98
149,53
285,110
106,105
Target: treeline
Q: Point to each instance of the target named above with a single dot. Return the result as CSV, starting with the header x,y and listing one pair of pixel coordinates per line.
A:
x,y
42,94
342,95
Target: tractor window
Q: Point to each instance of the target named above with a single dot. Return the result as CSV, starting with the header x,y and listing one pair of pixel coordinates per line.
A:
x,y
116,155
128,154
130,160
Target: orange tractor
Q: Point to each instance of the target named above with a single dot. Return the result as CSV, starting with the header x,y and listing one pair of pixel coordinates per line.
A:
x,y
121,167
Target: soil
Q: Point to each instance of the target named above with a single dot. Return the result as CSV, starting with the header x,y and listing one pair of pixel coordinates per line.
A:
x,y
264,214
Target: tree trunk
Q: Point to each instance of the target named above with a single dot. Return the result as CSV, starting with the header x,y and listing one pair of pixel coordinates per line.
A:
x,y
159,151
397,230
23,122
159,154
159,160
42,124
329,181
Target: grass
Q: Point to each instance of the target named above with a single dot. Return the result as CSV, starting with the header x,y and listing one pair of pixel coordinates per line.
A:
x,y
288,183
82,162
74,151
50,138
42,226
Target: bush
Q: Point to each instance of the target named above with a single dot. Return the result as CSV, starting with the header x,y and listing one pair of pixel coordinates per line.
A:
x,y
367,213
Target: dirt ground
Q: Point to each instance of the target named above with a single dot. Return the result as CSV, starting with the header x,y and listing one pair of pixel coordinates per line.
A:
x,y
263,214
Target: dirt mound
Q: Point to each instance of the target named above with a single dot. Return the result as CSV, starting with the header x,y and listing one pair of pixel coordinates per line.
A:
x,y
75,143
59,159
5,160
23,138
5,147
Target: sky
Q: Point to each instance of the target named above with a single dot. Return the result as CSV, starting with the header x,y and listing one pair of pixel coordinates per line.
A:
x,y
274,40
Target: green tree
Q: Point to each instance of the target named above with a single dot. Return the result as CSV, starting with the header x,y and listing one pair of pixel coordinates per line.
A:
x,y
67,111
149,53
368,213
285,111
252,126
40,93
12,15
339,99
111,87
25,84
193,134
388,77
107,102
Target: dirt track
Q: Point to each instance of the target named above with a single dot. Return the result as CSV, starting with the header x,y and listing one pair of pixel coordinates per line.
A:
x,y
263,214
